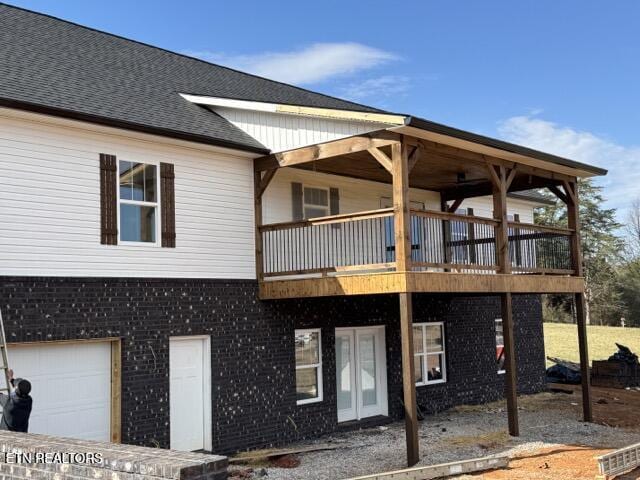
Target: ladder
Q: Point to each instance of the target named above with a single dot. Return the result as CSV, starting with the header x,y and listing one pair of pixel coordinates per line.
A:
x,y
4,358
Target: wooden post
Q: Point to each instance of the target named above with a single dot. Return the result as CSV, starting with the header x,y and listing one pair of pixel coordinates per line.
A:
x,y
499,179
446,235
500,185
402,224
587,411
402,220
573,218
511,378
408,379
260,184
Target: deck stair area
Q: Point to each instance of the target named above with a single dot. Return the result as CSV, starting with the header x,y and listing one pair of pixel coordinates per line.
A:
x,y
619,461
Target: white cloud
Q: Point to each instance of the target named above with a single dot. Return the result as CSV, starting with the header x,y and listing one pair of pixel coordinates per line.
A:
x,y
309,65
385,86
622,184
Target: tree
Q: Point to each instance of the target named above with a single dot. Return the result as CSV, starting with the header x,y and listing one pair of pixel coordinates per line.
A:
x,y
601,249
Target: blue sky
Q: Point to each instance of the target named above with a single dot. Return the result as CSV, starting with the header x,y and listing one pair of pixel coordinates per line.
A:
x,y
560,76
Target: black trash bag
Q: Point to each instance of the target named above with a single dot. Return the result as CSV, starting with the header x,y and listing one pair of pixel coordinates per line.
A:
x,y
624,355
561,374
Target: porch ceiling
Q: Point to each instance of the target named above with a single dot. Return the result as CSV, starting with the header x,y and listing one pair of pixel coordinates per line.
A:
x,y
453,172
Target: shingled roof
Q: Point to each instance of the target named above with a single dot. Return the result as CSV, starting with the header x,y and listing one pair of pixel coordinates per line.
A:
x,y
58,67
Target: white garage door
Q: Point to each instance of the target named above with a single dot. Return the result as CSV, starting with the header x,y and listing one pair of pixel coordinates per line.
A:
x,y
71,387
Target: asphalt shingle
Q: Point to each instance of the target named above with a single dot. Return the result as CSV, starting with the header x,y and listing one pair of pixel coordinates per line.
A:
x,y
56,64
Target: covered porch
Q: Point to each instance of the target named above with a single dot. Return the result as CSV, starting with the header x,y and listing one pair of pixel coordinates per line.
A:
x,y
403,250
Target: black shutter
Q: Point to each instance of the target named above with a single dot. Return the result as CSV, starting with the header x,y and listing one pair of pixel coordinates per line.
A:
x,y
108,200
296,201
334,201
167,205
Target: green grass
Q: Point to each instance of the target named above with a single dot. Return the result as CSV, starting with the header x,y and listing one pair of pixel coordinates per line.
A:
x,y
561,340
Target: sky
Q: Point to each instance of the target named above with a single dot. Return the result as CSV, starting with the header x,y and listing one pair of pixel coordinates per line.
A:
x,y
559,76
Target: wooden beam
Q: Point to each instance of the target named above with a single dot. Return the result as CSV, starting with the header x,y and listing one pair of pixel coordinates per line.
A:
x,y
408,379
455,205
570,190
265,181
511,380
558,193
374,283
116,391
581,320
401,205
493,174
414,156
381,157
511,176
480,190
320,151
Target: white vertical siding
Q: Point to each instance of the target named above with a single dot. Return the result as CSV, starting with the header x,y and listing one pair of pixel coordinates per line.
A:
x,y
279,132
50,203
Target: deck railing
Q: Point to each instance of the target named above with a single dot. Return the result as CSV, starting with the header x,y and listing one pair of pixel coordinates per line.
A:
x,y
365,241
356,241
540,249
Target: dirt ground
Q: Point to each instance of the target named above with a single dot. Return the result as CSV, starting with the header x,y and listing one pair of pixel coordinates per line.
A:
x,y
554,443
612,407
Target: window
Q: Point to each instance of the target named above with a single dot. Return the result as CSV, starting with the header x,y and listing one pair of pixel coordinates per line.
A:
x,y
315,202
308,366
138,194
428,349
499,346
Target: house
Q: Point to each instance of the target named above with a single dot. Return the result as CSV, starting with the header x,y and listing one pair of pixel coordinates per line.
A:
x,y
197,258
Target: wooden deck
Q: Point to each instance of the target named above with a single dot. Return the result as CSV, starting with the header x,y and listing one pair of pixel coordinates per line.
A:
x,y
418,282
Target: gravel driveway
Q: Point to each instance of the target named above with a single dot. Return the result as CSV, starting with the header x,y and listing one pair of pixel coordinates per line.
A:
x,y
467,432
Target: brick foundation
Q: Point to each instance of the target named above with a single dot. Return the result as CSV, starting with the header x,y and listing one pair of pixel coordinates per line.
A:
x,y
252,348
97,460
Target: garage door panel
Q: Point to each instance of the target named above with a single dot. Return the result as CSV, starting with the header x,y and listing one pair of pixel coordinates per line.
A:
x,y
71,387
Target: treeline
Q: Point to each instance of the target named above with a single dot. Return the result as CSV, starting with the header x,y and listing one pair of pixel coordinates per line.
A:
x,y
611,252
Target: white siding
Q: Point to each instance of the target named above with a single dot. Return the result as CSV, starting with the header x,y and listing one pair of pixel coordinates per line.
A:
x,y
50,203
279,132
360,195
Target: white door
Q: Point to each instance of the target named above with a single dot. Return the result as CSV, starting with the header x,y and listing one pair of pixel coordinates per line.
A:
x,y
190,393
361,373
71,387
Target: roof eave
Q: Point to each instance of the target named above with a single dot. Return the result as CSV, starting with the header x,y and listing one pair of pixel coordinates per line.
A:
x,y
111,122
501,145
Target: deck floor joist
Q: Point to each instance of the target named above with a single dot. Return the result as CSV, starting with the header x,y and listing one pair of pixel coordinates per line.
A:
x,y
418,282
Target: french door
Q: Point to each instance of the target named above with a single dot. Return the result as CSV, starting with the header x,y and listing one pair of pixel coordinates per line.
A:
x,y
361,373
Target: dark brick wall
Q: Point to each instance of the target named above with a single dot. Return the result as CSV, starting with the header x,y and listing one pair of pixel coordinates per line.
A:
x,y
252,364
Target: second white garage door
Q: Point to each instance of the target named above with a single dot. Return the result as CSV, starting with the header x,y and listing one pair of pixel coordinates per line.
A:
x,y
71,387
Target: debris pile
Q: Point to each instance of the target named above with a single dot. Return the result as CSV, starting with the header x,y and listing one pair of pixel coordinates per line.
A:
x,y
563,371
622,370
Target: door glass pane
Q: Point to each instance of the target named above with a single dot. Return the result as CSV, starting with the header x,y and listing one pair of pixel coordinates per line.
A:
x,y
434,367
306,383
137,223
343,372
434,338
367,346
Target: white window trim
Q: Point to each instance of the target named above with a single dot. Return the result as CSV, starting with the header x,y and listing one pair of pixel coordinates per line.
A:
x,y
317,366
312,205
155,204
503,371
423,355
